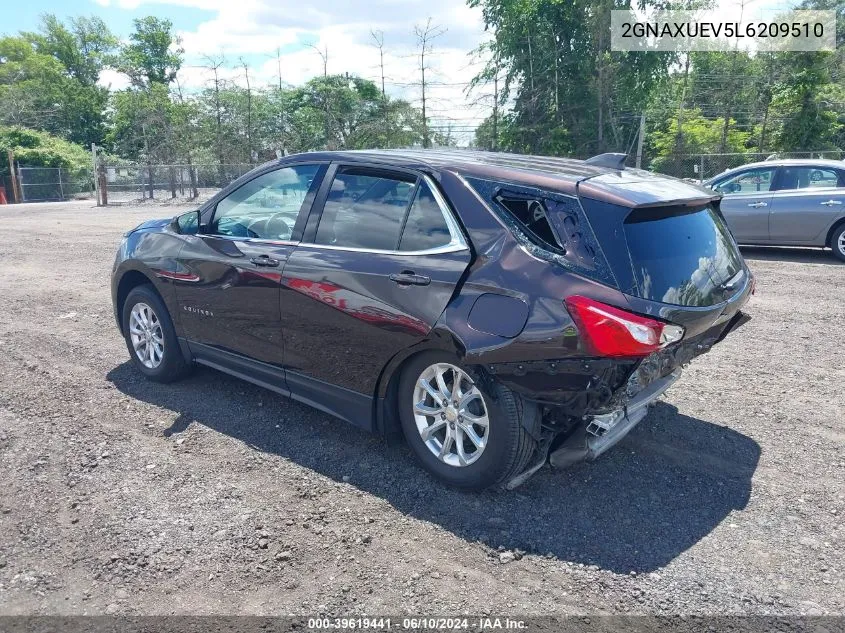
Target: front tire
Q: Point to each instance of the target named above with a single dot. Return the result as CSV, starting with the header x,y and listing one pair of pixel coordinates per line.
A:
x,y
151,338
468,433
837,242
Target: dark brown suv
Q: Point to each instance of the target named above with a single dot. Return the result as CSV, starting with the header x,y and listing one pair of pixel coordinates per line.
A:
x,y
499,310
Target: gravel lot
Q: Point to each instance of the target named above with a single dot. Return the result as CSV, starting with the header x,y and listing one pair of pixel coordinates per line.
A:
x,y
213,496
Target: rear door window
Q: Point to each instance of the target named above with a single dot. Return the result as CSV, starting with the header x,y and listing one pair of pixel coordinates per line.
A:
x,y
365,209
682,257
807,177
551,225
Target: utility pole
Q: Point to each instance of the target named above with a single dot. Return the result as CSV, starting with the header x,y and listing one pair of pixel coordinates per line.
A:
x,y
378,38
640,140
15,195
94,172
324,55
279,65
494,144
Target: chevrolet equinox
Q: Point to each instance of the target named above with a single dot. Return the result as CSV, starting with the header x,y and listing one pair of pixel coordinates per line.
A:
x,y
500,311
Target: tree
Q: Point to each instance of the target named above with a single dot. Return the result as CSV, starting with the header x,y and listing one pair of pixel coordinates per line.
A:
x,y
571,94
701,136
144,115
809,118
48,79
84,46
154,54
425,36
31,84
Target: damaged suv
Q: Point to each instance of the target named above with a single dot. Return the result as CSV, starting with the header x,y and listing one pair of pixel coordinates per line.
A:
x,y
501,311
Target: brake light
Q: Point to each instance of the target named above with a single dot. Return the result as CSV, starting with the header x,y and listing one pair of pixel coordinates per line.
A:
x,y
609,331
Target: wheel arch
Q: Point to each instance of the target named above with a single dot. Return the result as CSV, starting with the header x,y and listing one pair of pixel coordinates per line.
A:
x,y
130,279
838,224
386,414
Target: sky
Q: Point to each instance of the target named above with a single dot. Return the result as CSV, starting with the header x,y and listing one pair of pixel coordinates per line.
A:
x,y
254,30
267,34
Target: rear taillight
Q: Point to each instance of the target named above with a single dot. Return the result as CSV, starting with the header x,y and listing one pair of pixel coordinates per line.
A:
x,y
609,331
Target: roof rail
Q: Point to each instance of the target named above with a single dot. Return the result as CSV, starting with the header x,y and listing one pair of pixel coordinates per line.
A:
x,y
610,160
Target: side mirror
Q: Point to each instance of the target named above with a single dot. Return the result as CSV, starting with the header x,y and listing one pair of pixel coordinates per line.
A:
x,y
188,223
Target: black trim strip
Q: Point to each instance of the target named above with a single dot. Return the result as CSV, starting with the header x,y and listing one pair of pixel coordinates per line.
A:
x,y
351,406
253,371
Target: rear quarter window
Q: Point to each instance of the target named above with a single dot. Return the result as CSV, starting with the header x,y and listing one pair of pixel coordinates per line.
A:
x,y
425,228
550,225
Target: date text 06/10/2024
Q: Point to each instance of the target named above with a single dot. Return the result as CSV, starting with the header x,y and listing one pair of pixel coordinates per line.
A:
x,y
416,624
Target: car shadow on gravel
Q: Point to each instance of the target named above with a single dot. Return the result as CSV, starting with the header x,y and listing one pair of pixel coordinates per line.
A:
x,y
795,255
663,489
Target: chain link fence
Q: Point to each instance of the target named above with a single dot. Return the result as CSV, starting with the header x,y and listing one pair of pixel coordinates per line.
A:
x,y
42,184
701,167
121,184
175,184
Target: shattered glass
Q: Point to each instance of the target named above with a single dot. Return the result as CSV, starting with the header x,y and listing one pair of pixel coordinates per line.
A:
x,y
565,237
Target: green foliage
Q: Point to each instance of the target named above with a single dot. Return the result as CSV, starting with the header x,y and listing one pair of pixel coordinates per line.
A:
x,y
48,79
153,55
700,136
561,90
83,46
33,148
570,95
142,124
569,90
803,100
691,134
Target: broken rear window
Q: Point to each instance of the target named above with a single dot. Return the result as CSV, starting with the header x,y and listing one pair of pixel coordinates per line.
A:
x,y
551,225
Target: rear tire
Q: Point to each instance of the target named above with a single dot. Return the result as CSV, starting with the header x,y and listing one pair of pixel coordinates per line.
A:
x,y
151,338
837,242
506,439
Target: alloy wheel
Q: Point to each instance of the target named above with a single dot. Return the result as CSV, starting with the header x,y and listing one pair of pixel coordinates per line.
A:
x,y
146,335
450,414
841,243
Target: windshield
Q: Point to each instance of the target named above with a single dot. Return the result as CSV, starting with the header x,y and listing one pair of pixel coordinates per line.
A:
x,y
683,257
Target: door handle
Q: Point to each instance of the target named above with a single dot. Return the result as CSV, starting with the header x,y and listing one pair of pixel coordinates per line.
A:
x,y
408,278
757,205
830,203
265,260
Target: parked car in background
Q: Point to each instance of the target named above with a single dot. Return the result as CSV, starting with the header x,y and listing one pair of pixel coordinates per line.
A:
x,y
498,310
786,203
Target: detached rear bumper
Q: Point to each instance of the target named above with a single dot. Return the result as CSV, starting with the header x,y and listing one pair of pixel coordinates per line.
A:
x,y
605,431
581,387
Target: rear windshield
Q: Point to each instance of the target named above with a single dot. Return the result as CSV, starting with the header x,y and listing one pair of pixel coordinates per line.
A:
x,y
682,257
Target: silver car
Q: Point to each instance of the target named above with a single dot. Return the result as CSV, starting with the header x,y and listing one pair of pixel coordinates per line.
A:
x,y
786,202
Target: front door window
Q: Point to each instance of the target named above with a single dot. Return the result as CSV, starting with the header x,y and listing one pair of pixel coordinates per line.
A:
x,y
747,182
267,206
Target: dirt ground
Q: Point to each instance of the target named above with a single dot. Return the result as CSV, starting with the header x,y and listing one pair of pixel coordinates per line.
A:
x,y
214,496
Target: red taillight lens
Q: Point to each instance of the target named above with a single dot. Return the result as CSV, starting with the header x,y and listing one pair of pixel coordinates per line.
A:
x,y
609,331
